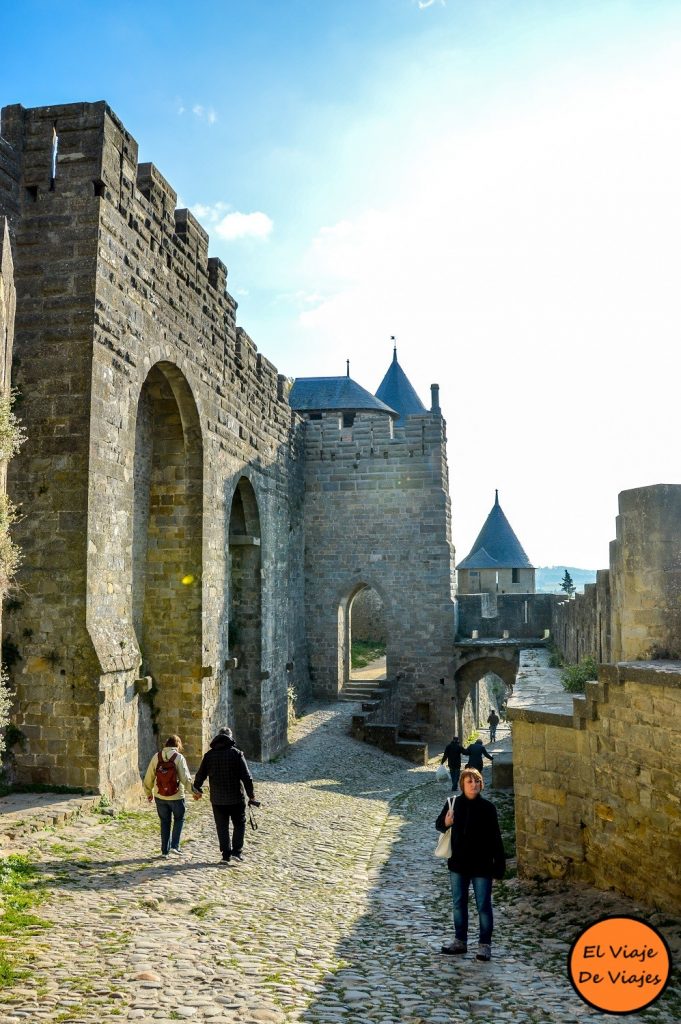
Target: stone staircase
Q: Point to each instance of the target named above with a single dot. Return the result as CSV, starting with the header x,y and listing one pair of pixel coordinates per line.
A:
x,y
376,723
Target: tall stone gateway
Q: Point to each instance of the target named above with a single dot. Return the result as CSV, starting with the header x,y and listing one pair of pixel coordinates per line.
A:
x,y
377,515
161,485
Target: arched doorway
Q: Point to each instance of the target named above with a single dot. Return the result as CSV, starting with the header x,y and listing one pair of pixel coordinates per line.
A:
x,y
365,608
467,685
245,619
167,553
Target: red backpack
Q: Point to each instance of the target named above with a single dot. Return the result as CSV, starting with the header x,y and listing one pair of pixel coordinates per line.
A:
x,y
167,782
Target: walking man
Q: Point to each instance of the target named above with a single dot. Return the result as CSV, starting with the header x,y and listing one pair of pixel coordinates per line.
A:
x,y
452,755
493,721
476,752
224,765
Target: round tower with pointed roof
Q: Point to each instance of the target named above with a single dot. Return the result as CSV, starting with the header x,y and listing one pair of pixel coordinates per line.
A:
x,y
497,563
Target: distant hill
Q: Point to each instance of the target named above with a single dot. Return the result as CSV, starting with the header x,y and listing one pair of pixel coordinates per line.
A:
x,y
548,577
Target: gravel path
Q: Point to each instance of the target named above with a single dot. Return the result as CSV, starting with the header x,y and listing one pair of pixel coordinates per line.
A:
x,y
337,914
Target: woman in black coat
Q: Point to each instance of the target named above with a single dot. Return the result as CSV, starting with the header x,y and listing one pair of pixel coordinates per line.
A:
x,y
477,857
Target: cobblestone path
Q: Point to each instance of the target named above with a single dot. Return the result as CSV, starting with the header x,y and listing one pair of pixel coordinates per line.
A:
x,y
337,914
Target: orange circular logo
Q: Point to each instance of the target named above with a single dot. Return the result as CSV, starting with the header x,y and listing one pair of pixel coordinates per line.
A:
x,y
619,965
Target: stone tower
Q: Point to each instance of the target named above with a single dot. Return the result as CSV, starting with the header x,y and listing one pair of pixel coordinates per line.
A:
x,y
497,563
377,515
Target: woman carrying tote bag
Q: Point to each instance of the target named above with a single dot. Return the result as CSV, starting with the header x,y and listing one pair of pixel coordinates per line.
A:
x,y
478,856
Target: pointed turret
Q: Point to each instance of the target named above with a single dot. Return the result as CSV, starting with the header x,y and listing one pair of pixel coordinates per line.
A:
x,y
497,562
396,391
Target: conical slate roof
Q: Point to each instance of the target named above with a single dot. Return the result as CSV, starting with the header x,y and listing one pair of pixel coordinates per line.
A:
x,y
315,394
396,391
496,546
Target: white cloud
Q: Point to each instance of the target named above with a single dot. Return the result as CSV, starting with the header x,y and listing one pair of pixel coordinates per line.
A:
x,y
244,225
224,222
209,215
204,113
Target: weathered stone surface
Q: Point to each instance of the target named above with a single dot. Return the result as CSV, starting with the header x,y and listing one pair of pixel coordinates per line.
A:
x,y
596,792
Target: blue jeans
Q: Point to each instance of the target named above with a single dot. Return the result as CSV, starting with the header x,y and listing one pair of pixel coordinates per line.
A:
x,y
170,810
482,889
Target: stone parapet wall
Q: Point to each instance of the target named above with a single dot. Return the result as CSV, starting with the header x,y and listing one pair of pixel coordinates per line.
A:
x,y
522,615
137,381
581,625
597,778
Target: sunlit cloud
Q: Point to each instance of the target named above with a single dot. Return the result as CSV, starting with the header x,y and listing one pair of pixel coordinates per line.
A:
x,y
225,222
244,225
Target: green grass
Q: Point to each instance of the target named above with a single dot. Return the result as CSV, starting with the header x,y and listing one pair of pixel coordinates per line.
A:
x,y
20,891
202,910
365,651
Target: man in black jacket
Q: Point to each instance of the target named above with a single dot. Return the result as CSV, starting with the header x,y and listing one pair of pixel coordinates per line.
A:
x,y
475,752
224,765
452,755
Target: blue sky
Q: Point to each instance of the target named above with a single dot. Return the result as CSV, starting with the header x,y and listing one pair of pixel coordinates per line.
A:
x,y
496,182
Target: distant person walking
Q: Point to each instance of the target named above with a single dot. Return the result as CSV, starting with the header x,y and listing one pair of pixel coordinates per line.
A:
x,y
165,781
452,755
224,765
478,856
476,752
493,721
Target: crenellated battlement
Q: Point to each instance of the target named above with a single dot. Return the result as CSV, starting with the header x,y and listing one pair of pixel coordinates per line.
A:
x,y
372,436
96,159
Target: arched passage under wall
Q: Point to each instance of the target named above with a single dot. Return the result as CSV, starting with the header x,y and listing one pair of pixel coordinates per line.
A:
x,y
166,559
245,619
467,679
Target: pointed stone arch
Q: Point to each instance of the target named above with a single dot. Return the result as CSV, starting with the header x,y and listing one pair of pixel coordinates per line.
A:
x,y
344,637
245,618
167,558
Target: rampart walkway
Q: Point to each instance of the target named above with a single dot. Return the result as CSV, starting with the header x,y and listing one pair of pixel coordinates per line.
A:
x,y
336,916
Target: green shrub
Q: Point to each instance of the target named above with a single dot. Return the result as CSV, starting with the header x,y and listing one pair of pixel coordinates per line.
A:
x,y
575,677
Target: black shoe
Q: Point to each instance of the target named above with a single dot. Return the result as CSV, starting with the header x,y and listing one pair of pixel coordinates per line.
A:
x,y
456,948
237,857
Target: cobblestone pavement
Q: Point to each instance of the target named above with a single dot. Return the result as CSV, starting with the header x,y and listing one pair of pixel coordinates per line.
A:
x,y
337,914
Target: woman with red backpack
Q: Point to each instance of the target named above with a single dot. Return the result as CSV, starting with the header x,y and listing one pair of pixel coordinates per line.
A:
x,y
165,781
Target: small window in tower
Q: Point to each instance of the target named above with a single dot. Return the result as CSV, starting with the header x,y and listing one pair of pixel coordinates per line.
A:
x,y
348,419
514,576
315,416
474,572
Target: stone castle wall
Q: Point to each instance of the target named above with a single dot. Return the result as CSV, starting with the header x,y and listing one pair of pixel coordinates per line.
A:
x,y
633,611
377,514
597,789
162,452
